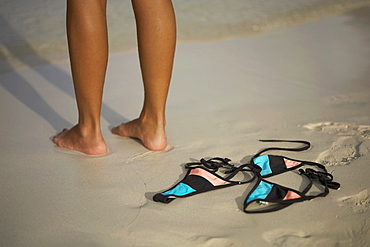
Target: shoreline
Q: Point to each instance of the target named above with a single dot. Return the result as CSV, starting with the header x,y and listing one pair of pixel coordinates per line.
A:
x,y
34,57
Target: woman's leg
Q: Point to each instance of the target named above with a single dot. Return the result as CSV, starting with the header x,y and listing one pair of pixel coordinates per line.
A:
x,y
88,50
156,31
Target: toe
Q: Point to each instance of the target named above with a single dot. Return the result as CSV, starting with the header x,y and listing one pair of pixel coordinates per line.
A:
x,y
118,130
55,139
115,130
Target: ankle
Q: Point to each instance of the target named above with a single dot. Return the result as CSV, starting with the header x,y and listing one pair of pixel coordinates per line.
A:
x,y
154,120
87,130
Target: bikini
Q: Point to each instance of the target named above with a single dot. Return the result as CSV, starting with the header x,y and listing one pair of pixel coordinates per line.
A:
x,y
202,177
265,196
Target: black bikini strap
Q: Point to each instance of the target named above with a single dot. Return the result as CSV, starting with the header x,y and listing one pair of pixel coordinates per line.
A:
x,y
326,179
213,164
297,149
322,167
242,168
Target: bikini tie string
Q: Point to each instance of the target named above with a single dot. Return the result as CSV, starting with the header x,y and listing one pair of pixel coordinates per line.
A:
x,y
306,145
214,164
324,178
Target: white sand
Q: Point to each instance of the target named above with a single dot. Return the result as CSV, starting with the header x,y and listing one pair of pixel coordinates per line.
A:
x,y
309,81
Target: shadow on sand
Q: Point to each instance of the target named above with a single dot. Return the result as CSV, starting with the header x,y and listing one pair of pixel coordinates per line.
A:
x,y
20,88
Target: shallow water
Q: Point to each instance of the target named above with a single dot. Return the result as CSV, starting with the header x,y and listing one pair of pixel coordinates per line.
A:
x,y
33,32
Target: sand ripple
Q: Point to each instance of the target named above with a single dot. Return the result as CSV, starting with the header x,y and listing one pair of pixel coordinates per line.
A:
x,y
293,237
358,203
214,241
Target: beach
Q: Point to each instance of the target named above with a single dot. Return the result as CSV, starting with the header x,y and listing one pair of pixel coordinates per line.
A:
x,y
308,81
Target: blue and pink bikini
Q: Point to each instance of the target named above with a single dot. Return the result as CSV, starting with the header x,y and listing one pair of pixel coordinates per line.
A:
x,y
265,196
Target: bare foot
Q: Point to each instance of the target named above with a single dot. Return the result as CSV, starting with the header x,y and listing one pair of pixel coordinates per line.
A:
x,y
75,139
153,136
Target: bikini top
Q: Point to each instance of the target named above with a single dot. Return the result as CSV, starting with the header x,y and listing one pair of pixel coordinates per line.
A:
x,y
265,196
202,177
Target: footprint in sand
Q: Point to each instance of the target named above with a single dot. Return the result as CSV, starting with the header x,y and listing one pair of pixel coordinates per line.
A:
x,y
353,142
341,152
358,203
293,237
340,129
